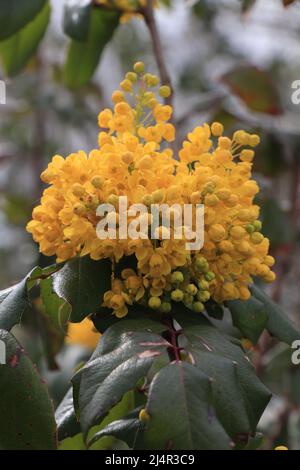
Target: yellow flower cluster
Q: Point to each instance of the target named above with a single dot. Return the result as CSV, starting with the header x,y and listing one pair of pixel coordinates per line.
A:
x,y
134,160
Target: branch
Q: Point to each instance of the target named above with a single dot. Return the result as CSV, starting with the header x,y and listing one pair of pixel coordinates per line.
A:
x,y
148,14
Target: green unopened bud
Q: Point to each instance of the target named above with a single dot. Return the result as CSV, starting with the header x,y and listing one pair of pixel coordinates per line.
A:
x,y
154,302
191,289
257,225
198,307
201,264
250,228
131,76
257,238
209,276
177,277
203,295
203,285
165,91
188,299
165,307
177,295
139,67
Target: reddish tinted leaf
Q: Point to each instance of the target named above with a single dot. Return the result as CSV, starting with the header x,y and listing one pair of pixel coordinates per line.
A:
x,y
286,3
255,88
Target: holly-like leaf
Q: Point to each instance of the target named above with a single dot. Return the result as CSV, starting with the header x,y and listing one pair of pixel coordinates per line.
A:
x,y
125,354
255,88
17,50
126,430
27,417
249,317
181,409
236,390
222,390
81,284
279,325
14,300
77,16
15,15
83,56
67,424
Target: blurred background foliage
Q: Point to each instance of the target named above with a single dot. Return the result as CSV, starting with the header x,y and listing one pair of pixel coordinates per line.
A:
x,y
229,60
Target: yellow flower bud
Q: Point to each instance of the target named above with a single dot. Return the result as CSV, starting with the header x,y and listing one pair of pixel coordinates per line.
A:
x,y
165,91
126,85
217,129
177,295
139,67
144,416
154,302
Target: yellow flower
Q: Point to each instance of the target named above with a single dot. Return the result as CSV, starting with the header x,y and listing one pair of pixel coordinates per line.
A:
x,y
83,333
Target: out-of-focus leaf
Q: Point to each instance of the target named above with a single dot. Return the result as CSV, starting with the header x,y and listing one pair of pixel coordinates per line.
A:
x,y
14,15
279,325
17,208
270,156
83,57
77,15
27,417
276,225
17,50
286,3
255,88
249,317
247,5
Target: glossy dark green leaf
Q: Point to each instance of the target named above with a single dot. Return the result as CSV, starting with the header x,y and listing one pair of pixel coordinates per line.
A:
x,y
239,396
15,15
67,424
249,317
181,409
17,50
81,283
14,300
279,325
125,429
125,354
83,56
77,15
27,417
57,310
